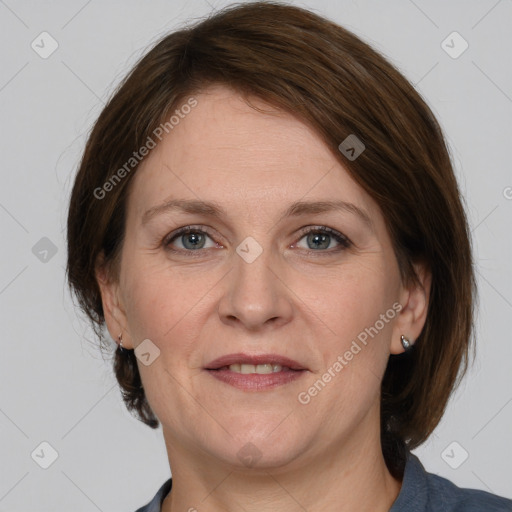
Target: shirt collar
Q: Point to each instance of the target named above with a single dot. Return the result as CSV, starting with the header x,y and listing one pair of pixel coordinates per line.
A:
x,y
414,491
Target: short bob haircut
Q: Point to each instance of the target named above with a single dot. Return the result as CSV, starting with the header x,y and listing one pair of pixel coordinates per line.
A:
x,y
329,79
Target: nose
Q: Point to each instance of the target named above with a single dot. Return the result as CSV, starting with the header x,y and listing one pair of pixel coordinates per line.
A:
x,y
257,295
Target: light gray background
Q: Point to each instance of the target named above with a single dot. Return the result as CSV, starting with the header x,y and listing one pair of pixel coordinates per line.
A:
x,y
57,388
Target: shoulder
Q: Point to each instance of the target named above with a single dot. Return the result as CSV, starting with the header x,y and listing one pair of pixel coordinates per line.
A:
x,y
445,495
155,505
426,492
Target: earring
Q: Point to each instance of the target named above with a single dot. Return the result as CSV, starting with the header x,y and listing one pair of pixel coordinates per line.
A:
x,y
120,338
406,343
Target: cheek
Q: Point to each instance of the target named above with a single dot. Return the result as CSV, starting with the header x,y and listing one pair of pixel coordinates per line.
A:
x,y
162,303
163,307
355,350
349,299
151,302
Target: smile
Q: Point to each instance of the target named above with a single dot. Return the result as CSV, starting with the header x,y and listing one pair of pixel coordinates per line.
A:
x,y
261,377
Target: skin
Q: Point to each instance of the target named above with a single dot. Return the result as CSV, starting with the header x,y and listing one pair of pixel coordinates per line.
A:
x,y
294,299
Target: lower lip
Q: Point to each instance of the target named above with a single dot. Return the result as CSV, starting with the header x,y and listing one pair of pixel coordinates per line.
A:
x,y
255,381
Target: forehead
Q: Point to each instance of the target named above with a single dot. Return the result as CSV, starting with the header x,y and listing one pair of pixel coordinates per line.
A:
x,y
226,151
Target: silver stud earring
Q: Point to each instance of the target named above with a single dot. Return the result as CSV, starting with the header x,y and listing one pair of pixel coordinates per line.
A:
x,y
406,343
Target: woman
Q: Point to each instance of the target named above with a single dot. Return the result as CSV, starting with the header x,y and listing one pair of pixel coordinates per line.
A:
x,y
267,221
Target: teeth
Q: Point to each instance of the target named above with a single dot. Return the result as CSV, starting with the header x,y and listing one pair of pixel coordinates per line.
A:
x,y
259,368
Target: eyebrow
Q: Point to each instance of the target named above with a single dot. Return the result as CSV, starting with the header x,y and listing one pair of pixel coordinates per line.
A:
x,y
215,210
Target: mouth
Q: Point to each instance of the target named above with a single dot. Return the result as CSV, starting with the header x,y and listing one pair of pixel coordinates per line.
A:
x,y
259,369
255,372
243,362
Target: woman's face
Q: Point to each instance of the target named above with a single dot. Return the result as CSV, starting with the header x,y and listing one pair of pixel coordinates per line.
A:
x,y
252,281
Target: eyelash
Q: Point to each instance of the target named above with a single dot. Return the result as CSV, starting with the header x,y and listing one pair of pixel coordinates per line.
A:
x,y
344,242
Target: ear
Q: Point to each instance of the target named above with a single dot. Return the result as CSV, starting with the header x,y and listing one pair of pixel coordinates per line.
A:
x,y
414,299
113,309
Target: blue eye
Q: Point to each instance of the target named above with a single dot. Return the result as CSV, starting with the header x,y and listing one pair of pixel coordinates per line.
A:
x,y
194,238
320,235
191,238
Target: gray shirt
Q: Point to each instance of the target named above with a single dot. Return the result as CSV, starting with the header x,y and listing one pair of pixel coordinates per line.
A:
x,y
420,492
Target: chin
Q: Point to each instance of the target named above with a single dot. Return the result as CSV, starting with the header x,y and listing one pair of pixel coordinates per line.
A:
x,y
258,446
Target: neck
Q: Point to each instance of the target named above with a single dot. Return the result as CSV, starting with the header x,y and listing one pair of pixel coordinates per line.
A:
x,y
343,477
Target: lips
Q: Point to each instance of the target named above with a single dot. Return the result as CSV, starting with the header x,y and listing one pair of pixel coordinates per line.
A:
x,y
259,359
255,373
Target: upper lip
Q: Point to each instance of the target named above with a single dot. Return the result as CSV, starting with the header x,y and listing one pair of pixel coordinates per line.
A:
x,y
254,359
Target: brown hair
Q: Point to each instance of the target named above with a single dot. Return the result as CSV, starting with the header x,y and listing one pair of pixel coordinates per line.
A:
x,y
337,84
